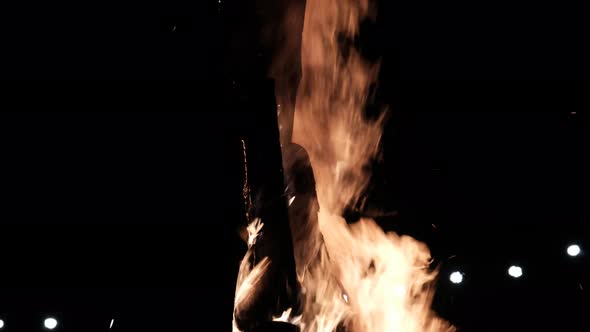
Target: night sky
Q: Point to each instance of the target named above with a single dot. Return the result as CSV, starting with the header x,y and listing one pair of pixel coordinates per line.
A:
x,y
124,201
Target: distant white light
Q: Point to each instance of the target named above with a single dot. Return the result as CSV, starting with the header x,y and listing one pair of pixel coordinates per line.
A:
x,y
112,322
515,271
456,277
573,250
1,324
50,323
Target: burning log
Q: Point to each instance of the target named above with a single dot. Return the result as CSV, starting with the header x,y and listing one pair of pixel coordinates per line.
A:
x,y
267,284
274,288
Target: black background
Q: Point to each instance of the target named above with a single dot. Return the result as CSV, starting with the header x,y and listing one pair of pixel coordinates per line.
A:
x,y
124,204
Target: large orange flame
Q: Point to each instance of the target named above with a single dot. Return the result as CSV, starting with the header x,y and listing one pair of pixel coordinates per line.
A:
x,y
360,277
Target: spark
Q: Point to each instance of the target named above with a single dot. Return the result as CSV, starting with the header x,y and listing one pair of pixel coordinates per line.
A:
x,y
291,200
112,322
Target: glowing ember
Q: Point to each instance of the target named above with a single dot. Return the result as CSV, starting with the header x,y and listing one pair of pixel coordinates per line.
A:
x,y
359,278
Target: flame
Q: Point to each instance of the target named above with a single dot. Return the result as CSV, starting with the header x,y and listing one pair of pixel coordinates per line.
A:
x,y
377,281
286,317
249,277
363,278
360,278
